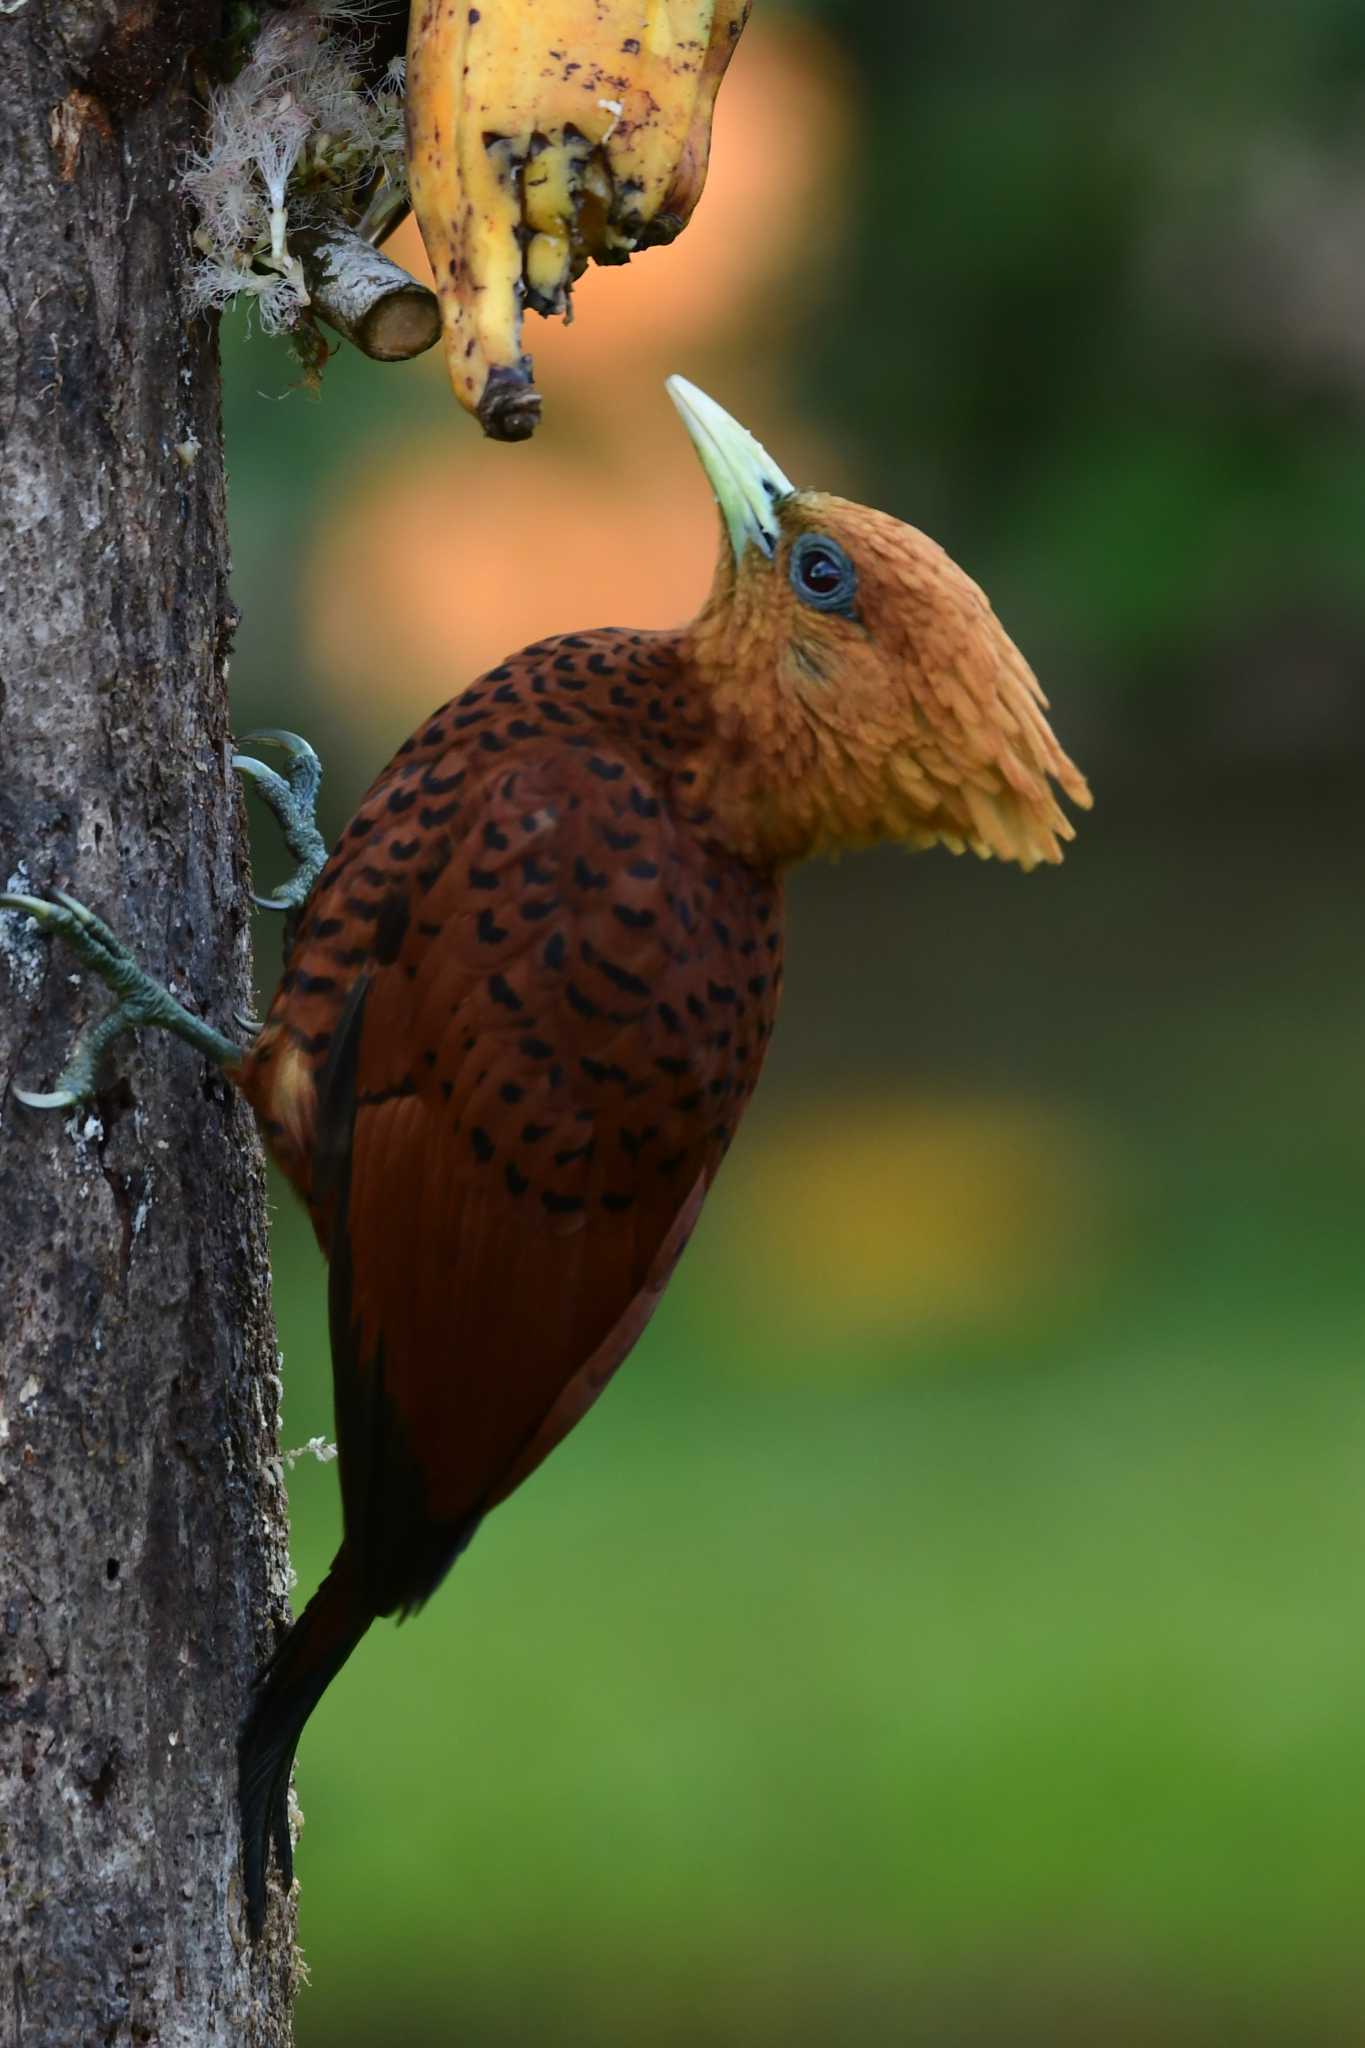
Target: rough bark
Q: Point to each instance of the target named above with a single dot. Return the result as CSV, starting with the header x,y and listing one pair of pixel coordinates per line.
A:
x,y
142,1541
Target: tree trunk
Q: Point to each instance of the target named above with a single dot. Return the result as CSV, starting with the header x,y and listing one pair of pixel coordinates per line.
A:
x,y
142,1534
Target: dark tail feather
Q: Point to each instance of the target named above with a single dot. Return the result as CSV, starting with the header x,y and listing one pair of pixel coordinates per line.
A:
x,y
299,1673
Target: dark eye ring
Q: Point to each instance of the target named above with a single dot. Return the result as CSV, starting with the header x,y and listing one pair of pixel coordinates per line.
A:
x,y
822,574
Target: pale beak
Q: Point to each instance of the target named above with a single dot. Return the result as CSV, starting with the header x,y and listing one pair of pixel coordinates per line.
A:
x,y
748,484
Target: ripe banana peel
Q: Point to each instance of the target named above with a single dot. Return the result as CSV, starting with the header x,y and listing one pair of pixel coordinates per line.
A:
x,y
543,134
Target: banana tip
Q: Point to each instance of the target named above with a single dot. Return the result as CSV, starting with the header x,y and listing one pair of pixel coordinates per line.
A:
x,y
510,407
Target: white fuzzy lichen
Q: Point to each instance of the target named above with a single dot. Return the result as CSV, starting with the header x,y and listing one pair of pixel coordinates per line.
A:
x,y
295,140
316,1447
22,946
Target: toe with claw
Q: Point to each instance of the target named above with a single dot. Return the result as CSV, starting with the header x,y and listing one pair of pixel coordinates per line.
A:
x,y
292,797
141,1001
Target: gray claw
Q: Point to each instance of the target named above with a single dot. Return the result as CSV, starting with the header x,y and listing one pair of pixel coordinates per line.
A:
x,y
291,743
36,907
61,1098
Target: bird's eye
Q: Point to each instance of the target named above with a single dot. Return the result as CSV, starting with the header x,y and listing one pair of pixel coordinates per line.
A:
x,y
822,574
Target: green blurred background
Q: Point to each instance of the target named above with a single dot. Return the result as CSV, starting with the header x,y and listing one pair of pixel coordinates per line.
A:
x,y
948,1629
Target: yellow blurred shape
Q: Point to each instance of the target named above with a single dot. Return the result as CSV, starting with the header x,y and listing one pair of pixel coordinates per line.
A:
x,y
863,1224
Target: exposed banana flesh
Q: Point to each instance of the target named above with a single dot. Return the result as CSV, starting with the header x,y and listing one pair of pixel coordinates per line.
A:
x,y
543,134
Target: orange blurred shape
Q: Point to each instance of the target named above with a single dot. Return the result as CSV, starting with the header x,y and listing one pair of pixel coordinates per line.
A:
x,y
865,1228
440,554
433,572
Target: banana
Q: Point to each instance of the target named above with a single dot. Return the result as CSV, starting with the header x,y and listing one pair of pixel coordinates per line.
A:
x,y
689,174
542,135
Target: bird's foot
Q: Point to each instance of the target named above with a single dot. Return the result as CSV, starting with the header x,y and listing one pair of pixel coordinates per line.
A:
x,y
293,799
140,999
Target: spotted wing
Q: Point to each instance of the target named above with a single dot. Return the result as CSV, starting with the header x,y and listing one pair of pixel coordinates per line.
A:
x,y
542,1061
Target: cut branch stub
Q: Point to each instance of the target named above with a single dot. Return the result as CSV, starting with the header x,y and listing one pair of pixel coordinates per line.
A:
x,y
377,307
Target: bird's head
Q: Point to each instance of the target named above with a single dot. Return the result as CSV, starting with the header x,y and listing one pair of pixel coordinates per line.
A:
x,y
863,688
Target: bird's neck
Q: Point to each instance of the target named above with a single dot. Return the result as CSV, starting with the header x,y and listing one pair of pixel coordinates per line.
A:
x,y
759,768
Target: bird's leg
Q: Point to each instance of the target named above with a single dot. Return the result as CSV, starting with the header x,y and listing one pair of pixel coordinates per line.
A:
x,y
140,999
293,798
